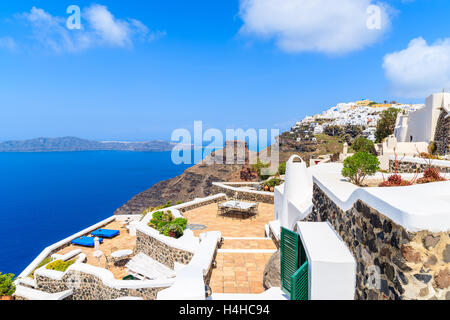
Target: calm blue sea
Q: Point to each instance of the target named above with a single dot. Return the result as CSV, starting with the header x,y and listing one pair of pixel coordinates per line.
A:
x,y
46,197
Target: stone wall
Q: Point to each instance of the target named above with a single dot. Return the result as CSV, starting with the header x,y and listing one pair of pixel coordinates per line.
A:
x,y
89,287
200,204
410,265
234,193
413,167
274,239
442,136
160,251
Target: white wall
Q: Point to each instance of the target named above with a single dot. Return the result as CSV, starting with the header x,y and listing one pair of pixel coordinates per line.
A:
x,y
421,124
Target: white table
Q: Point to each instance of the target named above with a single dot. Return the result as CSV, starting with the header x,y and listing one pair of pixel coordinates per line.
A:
x,y
246,208
121,254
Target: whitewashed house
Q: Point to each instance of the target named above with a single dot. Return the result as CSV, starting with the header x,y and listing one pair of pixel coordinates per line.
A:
x,y
427,124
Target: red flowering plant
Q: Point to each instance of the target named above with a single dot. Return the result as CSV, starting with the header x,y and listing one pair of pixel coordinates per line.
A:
x,y
396,180
431,175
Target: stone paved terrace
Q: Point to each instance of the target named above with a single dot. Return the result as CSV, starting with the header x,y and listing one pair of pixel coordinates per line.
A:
x,y
121,242
207,215
245,252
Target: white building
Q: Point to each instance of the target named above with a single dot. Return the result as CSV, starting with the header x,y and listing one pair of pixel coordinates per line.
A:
x,y
420,125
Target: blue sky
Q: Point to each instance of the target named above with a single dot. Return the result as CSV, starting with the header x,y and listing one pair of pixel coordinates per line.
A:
x,y
231,64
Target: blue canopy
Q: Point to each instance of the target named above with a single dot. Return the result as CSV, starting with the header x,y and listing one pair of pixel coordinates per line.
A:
x,y
105,233
86,241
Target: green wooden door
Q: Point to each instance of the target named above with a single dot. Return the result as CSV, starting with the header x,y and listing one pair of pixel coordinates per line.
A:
x,y
299,283
293,260
289,258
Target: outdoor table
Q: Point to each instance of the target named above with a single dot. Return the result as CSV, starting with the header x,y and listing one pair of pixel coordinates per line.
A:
x,y
244,208
121,254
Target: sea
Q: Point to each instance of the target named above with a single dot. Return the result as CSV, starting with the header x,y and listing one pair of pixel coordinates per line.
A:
x,y
46,197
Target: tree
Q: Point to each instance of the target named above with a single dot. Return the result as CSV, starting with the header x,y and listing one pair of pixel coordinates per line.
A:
x,y
359,166
386,124
333,130
362,144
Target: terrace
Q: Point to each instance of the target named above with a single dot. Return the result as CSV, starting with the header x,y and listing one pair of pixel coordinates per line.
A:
x,y
235,265
241,260
124,241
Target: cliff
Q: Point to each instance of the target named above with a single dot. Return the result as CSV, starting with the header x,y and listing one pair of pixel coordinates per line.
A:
x,y
194,182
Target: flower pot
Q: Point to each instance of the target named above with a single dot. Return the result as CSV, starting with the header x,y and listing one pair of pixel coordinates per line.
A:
x,y
6,298
266,188
272,189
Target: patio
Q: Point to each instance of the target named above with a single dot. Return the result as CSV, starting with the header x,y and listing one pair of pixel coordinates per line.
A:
x,y
123,241
245,252
229,226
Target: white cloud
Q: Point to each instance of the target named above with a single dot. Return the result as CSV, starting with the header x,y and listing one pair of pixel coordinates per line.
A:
x,y
327,26
8,43
109,29
49,30
99,28
420,69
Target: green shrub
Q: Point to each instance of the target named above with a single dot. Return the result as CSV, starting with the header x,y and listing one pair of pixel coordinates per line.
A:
x,y
386,124
432,148
282,168
362,144
180,222
43,263
172,230
165,223
7,287
359,166
258,169
273,182
60,265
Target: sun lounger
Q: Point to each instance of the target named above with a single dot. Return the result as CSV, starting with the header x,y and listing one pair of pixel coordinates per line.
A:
x,y
86,241
143,267
105,233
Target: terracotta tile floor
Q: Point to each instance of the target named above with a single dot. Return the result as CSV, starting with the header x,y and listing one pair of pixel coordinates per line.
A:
x,y
121,242
237,272
230,227
249,244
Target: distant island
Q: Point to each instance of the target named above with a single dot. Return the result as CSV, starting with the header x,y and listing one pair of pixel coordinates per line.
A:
x,y
68,144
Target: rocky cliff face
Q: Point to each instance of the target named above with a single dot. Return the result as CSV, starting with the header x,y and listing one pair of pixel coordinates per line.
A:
x,y
194,182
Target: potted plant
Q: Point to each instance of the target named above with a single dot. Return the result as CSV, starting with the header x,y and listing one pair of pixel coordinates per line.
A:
x,y
7,287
